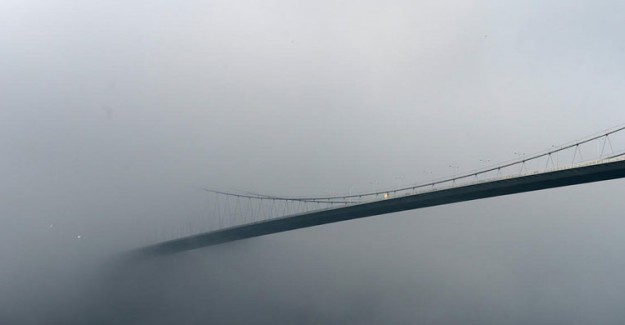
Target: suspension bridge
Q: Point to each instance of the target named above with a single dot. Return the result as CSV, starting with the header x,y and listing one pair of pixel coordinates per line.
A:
x,y
243,215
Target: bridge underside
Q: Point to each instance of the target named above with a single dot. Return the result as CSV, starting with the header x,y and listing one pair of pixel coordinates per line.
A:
x,y
559,178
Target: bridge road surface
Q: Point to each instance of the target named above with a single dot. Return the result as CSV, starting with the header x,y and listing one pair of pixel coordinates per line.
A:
x,y
526,183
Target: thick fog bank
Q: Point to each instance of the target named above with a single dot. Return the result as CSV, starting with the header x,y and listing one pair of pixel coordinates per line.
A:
x,y
540,263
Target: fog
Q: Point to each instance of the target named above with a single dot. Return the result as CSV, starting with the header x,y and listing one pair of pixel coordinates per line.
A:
x,y
113,113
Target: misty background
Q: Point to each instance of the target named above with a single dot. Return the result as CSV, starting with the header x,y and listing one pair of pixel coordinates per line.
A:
x,y
112,113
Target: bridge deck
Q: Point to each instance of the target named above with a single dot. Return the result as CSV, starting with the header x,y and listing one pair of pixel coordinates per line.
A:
x,y
559,178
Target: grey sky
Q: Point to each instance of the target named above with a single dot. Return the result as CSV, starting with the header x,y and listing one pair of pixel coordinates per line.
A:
x,y
112,111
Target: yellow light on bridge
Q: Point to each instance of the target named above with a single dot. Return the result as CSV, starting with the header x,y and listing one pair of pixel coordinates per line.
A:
x,y
385,196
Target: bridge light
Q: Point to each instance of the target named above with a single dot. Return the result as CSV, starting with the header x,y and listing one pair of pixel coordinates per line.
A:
x,y
385,196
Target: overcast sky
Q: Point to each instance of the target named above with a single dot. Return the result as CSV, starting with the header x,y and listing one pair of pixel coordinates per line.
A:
x,y
113,112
